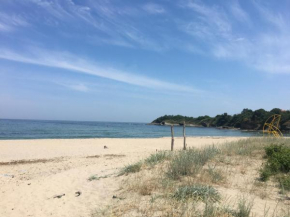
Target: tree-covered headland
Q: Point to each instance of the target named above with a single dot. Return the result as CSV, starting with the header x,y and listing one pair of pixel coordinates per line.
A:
x,y
246,120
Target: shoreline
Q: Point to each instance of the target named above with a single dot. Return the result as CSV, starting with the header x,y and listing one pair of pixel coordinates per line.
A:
x,y
116,138
219,128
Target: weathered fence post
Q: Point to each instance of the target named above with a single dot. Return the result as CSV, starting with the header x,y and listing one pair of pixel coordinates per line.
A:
x,y
172,138
184,138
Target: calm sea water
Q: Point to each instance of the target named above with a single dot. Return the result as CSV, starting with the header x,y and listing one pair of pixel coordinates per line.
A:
x,y
36,129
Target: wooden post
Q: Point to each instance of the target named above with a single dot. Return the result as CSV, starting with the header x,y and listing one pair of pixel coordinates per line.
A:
x,y
172,138
184,138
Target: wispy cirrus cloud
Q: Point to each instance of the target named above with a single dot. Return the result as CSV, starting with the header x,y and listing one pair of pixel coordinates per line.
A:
x,y
11,22
76,64
67,11
239,14
112,22
265,50
224,30
212,20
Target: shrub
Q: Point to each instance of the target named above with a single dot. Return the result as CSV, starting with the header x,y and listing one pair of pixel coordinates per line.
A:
x,y
278,161
278,158
197,192
270,150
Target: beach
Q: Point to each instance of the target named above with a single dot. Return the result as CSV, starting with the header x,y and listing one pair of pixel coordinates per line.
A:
x,y
41,177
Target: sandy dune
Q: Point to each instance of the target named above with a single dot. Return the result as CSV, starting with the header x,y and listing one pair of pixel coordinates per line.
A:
x,y
33,172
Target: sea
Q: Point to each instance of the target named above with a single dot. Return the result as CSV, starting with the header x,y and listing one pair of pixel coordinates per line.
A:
x,y
41,129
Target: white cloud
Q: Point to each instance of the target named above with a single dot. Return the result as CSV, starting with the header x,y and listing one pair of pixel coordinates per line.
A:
x,y
73,63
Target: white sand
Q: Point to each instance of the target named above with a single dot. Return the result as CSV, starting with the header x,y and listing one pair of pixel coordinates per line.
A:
x,y
30,192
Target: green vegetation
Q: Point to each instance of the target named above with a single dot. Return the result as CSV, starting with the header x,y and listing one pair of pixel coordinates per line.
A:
x,y
285,182
194,182
244,209
249,147
95,177
278,161
189,162
247,119
216,176
197,192
158,157
132,168
278,165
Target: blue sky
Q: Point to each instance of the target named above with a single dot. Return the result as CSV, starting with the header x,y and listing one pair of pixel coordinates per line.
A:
x,y
133,60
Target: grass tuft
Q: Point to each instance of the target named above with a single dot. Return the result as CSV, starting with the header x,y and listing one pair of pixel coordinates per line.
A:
x,y
243,210
216,176
284,182
209,210
158,157
197,192
132,168
95,177
190,162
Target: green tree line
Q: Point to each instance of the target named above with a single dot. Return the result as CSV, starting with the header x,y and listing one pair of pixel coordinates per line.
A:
x,y
247,119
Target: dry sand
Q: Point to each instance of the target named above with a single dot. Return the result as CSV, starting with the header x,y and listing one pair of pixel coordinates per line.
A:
x,y
33,172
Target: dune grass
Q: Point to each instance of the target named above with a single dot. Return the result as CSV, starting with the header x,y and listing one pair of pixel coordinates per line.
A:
x,y
189,162
186,182
131,168
158,157
243,210
151,161
197,192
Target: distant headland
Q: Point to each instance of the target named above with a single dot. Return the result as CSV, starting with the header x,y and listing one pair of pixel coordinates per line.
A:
x,y
246,120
